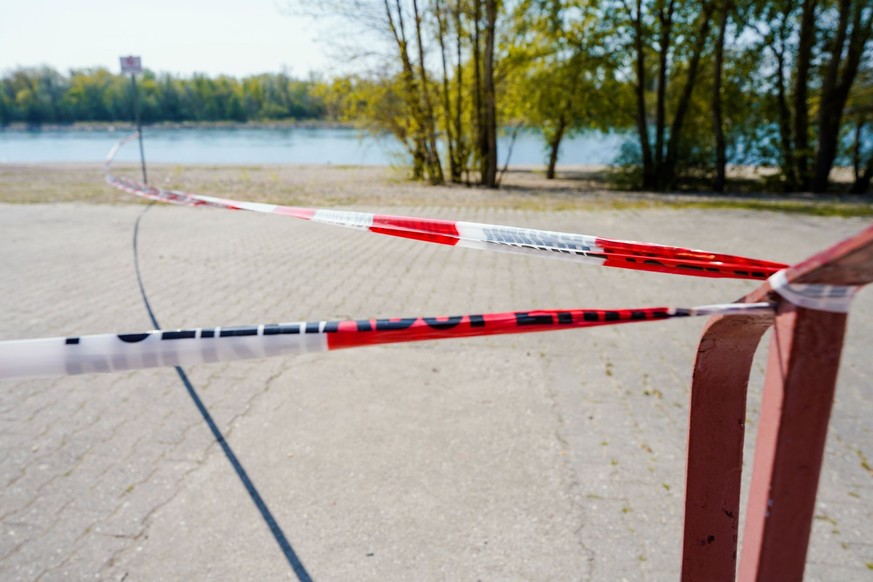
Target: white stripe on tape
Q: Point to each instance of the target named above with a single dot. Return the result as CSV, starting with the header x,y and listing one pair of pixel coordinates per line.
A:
x,y
109,352
569,246
834,298
251,206
577,247
357,220
183,347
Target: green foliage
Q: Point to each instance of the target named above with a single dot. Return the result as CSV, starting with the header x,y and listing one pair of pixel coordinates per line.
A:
x,y
702,83
42,95
377,105
562,79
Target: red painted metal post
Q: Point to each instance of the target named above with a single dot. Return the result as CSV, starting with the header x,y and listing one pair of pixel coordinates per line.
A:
x,y
795,411
715,445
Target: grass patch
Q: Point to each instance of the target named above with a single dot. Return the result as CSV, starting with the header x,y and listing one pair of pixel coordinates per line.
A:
x,y
813,208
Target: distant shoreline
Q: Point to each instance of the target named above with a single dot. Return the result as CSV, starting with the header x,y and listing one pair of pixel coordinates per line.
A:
x,y
86,126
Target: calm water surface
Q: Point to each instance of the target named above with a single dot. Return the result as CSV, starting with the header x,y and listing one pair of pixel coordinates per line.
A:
x,y
271,146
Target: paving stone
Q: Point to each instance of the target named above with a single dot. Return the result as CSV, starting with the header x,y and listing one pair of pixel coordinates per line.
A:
x,y
544,456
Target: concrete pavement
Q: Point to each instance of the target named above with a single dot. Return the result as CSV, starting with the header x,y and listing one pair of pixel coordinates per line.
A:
x,y
535,457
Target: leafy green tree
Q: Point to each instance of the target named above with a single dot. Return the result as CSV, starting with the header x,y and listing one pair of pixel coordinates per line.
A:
x,y
457,108
37,96
859,109
563,76
90,95
813,50
844,51
675,35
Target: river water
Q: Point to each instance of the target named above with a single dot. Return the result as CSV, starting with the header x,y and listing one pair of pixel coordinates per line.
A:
x,y
299,145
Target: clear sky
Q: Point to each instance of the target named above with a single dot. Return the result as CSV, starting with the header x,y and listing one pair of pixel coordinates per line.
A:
x,y
233,37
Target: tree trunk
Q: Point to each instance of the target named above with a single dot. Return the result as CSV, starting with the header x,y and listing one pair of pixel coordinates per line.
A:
x,y
434,168
640,93
508,153
490,152
835,92
481,137
454,170
461,151
419,143
555,146
666,19
667,172
717,120
862,183
801,88
784,122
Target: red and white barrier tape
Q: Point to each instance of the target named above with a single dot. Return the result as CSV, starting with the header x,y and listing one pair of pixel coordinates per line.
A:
x,y
576,247
116,352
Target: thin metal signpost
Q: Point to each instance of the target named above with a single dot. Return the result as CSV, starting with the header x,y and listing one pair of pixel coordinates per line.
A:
x,y
133,65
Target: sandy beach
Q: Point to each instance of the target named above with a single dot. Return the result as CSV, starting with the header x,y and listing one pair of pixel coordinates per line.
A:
x,y
522,188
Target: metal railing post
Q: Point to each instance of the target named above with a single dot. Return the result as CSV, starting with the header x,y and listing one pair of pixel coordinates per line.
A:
x,y
715,445
795,412
796,404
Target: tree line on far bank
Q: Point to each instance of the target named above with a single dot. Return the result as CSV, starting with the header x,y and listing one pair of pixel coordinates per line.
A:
x,y
38,96
700,83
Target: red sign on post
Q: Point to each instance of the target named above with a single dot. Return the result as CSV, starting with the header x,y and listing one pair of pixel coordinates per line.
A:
x,y
131,64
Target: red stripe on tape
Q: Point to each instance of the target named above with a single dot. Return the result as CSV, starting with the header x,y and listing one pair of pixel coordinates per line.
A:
x,y
368,332
615,253
429,230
